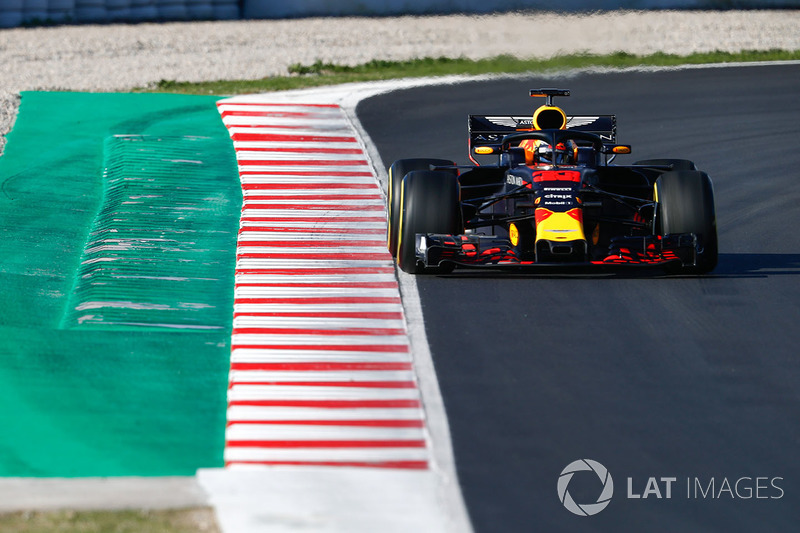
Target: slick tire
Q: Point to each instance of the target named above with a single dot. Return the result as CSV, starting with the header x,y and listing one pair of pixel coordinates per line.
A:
x,y
685,204
397,172
676,164
429,204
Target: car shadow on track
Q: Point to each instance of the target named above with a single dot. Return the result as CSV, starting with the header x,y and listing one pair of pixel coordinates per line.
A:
x,y
757,265
730,265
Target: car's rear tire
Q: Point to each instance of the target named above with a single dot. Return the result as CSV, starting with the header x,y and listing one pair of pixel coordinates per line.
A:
x,y
676,164
397,172
429,203
685,204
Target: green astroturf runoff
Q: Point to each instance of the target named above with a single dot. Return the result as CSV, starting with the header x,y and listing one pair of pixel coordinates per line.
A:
x,y
118,217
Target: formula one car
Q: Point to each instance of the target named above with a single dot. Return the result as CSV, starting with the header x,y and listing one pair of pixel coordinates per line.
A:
x,y
550,198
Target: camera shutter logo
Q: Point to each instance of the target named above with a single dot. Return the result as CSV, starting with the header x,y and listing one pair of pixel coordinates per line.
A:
x,y
585,509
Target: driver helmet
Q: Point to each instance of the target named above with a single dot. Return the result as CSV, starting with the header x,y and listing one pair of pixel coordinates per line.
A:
x,y
545,155
541,153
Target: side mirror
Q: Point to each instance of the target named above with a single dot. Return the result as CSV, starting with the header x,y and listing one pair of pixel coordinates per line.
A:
x,y
484,150
617,149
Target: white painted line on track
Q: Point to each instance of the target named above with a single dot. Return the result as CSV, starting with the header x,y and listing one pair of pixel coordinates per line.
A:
x,y
286,154
313,356
309,383
287,432
254,180
303,168
310,392
236,456
345,289
93,493
330,322
332,216
244,413
287,307
323,277
315,169
307,145
326,341
255,376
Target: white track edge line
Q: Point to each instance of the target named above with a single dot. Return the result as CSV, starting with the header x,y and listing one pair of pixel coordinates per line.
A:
x,y
436,424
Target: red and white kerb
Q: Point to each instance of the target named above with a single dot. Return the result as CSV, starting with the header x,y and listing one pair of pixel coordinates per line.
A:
x,y
321,371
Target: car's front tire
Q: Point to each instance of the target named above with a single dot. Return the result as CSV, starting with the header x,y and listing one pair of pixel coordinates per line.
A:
x,y
397,172
685,204
429,203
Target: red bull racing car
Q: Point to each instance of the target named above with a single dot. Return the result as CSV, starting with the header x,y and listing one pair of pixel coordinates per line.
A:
x,y
550,197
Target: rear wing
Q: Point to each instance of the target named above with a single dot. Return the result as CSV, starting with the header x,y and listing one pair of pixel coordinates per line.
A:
x,y
489,130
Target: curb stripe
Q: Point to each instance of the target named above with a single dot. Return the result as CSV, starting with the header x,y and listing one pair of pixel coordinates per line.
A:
x,y
407,465
320,371
296,256
327,444
245,379
245,174
296,331
382,348
321,366
320,207
375,315
350,423
314,301
329,404
228,103
308,196
308,186
353,151
360,284
291,138
305,230
289,162
311,244
363,270
315,221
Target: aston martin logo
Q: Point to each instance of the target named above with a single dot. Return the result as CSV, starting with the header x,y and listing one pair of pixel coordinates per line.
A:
x,y
527,122
511,122
576,122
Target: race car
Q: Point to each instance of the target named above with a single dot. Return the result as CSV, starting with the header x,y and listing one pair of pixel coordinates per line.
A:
x,y
550,197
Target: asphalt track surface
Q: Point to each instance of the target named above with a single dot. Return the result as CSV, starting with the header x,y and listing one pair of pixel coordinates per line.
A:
x,y
696,378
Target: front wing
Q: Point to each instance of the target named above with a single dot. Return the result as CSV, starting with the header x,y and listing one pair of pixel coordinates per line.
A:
x,y
471,250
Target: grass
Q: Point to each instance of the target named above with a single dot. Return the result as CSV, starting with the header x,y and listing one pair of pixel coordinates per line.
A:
x,y
320,74
118,401
200,520
82,401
